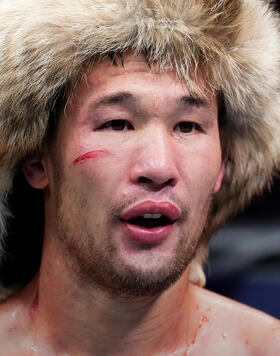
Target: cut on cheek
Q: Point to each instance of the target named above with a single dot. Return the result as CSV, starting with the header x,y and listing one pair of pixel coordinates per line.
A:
x,y
89,155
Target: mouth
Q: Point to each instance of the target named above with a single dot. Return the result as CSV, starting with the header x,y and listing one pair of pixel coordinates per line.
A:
x,y
150,222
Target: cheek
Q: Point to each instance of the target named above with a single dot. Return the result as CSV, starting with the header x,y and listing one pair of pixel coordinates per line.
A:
x,y
211,163
90,155
91,173
202,170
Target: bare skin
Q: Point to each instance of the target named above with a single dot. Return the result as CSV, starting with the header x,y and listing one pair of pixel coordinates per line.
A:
x,y
153,143
215,326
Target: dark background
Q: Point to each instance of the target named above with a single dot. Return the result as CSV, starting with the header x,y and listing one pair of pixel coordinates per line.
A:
x,y
244,261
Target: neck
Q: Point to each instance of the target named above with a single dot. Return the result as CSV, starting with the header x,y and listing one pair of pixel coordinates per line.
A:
x,y
75,317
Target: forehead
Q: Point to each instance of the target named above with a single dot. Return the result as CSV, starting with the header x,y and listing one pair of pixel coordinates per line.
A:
x,y
132,74
122,65
135,66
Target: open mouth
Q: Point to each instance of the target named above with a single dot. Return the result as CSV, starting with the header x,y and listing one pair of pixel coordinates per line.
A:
x,y
150,221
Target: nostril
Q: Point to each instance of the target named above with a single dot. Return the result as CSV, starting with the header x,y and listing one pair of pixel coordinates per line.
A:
x,y
171,182
144,180
159,185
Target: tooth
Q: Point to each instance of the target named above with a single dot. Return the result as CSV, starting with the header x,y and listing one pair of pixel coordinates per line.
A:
x,y
152,216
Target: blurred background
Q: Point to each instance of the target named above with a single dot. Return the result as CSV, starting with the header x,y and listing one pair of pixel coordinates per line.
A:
x,y
244,261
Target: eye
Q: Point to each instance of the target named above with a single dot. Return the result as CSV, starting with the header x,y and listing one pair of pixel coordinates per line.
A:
x,y
117,125
187,126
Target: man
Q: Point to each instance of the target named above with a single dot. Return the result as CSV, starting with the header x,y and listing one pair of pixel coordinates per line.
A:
x,y
145,124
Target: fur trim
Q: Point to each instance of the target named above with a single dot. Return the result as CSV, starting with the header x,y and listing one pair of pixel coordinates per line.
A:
x,y
234,45
4,214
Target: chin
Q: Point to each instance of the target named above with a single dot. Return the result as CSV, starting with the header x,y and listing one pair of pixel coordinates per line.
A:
x,y
157,286
134,284
143,280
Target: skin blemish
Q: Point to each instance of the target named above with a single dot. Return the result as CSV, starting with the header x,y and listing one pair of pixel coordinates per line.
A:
x,y
89,155
224,336
247,341
156,105
34,306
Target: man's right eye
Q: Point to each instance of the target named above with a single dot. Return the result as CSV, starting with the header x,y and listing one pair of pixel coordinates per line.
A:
x,y
117,125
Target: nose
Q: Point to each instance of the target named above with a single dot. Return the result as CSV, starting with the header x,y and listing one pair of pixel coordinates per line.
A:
x,y
155,165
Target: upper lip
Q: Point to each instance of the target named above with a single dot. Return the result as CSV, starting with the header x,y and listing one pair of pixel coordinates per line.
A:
x,y
151,207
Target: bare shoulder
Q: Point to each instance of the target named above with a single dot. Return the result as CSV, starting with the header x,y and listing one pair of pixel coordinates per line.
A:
x,y
14,334
10,317
251,331
233,310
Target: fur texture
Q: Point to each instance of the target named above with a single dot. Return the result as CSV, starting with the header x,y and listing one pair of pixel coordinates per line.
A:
x,y
234,45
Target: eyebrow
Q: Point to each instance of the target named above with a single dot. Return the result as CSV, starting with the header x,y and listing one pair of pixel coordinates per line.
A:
x,y
123,98
129,100
190,100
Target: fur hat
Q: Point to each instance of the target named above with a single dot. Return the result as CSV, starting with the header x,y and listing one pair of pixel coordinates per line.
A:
x,y
233,45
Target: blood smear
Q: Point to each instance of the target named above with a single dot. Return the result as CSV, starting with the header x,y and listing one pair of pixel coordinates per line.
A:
x,y
89,155
34,305
204,318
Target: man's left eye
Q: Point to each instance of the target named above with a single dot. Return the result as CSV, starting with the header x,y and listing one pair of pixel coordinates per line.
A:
x,y
187,126
117,125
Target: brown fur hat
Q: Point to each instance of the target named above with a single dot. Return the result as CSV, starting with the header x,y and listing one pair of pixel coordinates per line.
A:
x,y
234,45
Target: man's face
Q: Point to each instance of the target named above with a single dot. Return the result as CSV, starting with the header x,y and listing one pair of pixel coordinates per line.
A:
x,y
133,142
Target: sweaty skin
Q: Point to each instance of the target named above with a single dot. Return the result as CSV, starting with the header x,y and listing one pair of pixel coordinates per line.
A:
x,y
166,149
216,326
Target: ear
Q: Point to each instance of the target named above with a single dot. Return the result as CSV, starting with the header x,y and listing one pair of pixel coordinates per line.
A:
x,y
35,173
220,177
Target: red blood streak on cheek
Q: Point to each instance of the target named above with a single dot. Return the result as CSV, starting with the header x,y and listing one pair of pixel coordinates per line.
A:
x,y
89,155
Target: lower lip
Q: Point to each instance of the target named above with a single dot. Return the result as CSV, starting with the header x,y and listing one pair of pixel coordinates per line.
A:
x,y
144,235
